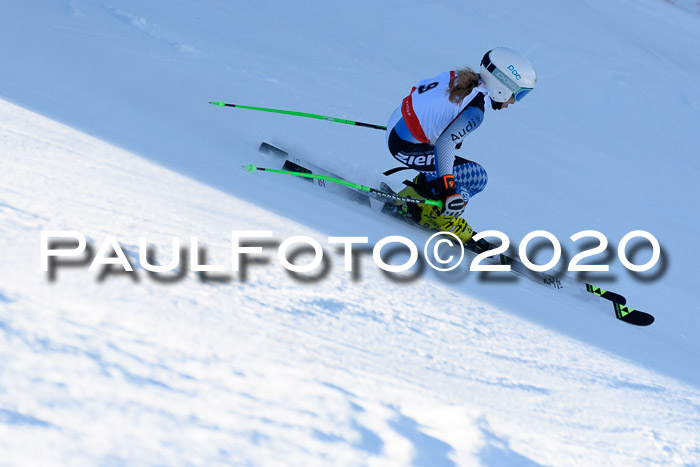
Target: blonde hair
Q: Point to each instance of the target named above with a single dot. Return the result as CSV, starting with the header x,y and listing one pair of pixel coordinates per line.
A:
x,y
465,82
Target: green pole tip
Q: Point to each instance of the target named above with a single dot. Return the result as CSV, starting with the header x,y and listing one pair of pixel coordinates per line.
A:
x,y
218,103
250,167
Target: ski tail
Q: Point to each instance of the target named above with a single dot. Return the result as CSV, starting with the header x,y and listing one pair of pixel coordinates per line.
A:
x,y
294,164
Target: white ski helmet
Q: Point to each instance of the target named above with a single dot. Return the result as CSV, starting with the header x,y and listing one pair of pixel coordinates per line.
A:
x,y
506,73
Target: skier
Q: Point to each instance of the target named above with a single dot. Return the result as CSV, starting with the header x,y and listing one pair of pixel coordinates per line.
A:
x,y
431,124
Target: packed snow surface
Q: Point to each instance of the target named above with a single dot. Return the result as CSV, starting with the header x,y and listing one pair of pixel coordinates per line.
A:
x,y
105,129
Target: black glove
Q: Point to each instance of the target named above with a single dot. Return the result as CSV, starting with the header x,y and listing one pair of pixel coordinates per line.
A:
x,y
453,203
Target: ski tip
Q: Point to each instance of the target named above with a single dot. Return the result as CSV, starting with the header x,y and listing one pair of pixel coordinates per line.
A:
x,y
250,167
632,316
638,318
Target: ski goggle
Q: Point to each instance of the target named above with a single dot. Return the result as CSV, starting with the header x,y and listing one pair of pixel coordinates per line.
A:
x,y
520,93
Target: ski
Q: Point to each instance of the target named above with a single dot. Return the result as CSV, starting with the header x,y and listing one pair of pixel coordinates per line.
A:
x,y
295,164
606,301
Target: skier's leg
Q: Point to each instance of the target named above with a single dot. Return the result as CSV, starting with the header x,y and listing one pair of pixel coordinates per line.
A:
x,y
406,148
470,177
421,157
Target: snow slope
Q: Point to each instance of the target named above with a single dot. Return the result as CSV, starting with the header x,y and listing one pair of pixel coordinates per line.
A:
x,y
105,130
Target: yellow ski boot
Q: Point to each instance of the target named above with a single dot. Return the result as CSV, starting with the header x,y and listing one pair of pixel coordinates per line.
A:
x,y
429,216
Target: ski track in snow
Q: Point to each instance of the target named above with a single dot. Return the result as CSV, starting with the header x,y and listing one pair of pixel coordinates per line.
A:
x,y
440,371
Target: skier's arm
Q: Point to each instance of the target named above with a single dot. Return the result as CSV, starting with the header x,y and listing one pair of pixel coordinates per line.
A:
x,y
451,139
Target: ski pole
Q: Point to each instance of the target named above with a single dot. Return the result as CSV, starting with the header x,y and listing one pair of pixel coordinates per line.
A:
x,y
374,193
301,114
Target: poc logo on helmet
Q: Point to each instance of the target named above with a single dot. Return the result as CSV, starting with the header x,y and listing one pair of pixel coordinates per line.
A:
x,y
515,72
505,80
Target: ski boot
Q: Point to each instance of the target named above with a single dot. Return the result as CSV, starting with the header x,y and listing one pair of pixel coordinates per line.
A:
x,y
409,212
427,215
430,218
